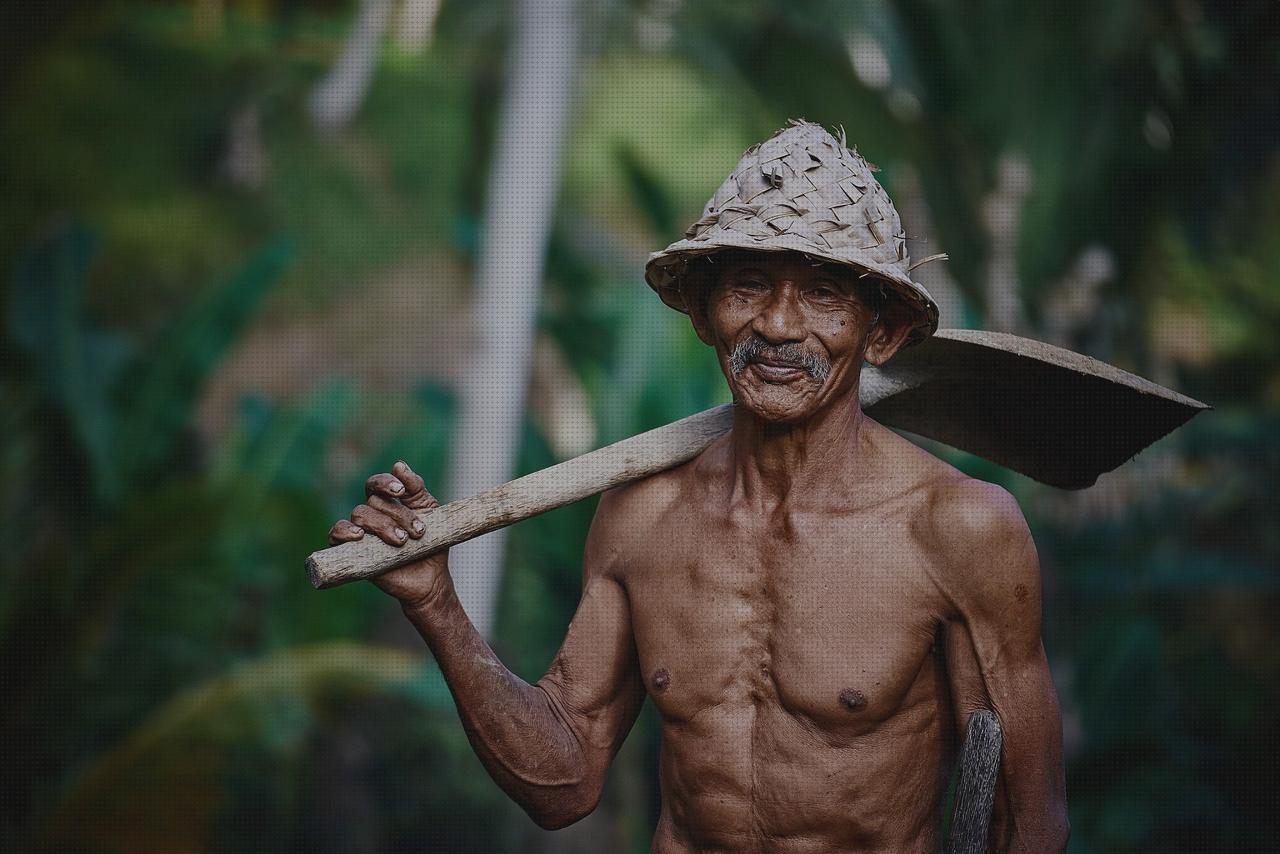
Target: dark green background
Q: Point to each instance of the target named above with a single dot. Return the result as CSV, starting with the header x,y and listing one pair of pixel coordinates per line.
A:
x,y
171,683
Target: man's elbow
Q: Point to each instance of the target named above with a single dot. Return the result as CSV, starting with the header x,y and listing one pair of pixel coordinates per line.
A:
x,y
565,807
557,819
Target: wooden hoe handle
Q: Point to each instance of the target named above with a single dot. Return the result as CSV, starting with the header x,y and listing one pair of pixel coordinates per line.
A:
x,y
561,484
1057,416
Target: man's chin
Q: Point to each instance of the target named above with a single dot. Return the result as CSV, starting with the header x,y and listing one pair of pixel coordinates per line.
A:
x,y
777,405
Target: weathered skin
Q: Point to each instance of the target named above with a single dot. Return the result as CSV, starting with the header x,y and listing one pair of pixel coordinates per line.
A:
x,y
814,604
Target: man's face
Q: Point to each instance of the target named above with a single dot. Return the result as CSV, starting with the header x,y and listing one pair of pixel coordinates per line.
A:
x,y
791,336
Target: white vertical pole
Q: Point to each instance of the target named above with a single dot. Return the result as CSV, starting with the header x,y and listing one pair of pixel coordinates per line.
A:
x,y
519,212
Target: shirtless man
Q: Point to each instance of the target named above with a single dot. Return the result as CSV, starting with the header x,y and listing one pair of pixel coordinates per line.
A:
x,y
814,605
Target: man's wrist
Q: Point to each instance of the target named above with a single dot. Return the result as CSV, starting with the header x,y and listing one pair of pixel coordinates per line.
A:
x,y
431,604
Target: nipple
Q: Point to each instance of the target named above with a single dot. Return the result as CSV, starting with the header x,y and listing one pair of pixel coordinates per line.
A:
x,y
661,679
853,700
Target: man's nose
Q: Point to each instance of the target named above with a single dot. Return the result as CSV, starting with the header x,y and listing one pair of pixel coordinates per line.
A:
x,y
780,319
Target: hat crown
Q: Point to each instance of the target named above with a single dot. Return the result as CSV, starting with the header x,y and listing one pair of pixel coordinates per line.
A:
x,y
804,182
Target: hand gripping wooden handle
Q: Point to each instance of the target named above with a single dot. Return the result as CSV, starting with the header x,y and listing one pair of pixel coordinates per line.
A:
x,y
565,483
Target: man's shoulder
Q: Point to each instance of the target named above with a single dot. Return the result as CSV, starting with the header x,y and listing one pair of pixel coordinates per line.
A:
x,y
630,517
966,511
946,500
981,537
644,500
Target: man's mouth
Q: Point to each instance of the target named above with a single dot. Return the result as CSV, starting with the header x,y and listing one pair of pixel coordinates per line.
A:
x,y
773,371
782,363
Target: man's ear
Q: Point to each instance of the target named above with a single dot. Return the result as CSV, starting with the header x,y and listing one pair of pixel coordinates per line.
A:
x,y
890,333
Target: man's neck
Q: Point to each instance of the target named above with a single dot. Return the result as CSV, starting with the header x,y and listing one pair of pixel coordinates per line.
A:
x,y
772,462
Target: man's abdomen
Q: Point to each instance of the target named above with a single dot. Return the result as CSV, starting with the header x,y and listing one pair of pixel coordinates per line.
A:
x,y
751,776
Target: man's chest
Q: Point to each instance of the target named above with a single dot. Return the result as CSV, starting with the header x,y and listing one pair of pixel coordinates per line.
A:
x,y
831,625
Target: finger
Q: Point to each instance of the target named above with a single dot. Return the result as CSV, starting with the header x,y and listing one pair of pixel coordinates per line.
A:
x,y
344,532
383,526
416,494
386,485
404,516
408,477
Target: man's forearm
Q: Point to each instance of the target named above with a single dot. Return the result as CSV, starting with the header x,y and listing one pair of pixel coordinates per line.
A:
x,y
1033,790
518,730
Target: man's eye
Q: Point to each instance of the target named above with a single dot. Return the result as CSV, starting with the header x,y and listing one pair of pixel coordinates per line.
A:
x,y
822,292
751,284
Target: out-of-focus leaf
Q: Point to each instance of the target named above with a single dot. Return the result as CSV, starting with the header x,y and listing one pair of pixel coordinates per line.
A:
x,y
76,364
273,445
287,455
48,288
651,197
160,788
173,371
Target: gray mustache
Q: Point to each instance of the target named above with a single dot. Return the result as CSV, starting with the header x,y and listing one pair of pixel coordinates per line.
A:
x,y
792,355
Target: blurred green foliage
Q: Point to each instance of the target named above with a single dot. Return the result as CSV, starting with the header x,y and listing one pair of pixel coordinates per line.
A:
x,y
172,684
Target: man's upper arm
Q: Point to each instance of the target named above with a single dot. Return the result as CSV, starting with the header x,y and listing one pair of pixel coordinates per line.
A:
x,y
994,582
594,682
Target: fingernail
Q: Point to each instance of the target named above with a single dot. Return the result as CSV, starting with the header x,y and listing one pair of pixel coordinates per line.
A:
x,y
396,486
417,527
357,529
400,533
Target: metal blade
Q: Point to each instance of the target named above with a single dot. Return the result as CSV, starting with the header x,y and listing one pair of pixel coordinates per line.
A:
x,y
1054,415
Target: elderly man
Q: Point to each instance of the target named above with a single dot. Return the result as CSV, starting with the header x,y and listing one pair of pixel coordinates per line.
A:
x,y
814,604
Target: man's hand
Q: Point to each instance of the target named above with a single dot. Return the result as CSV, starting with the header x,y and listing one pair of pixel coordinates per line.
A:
x,y
392,503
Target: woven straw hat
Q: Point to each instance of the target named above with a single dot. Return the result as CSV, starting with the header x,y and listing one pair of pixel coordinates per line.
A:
x,y
801,190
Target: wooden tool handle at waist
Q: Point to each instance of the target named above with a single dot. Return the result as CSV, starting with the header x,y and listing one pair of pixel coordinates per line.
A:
x,y
975,792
